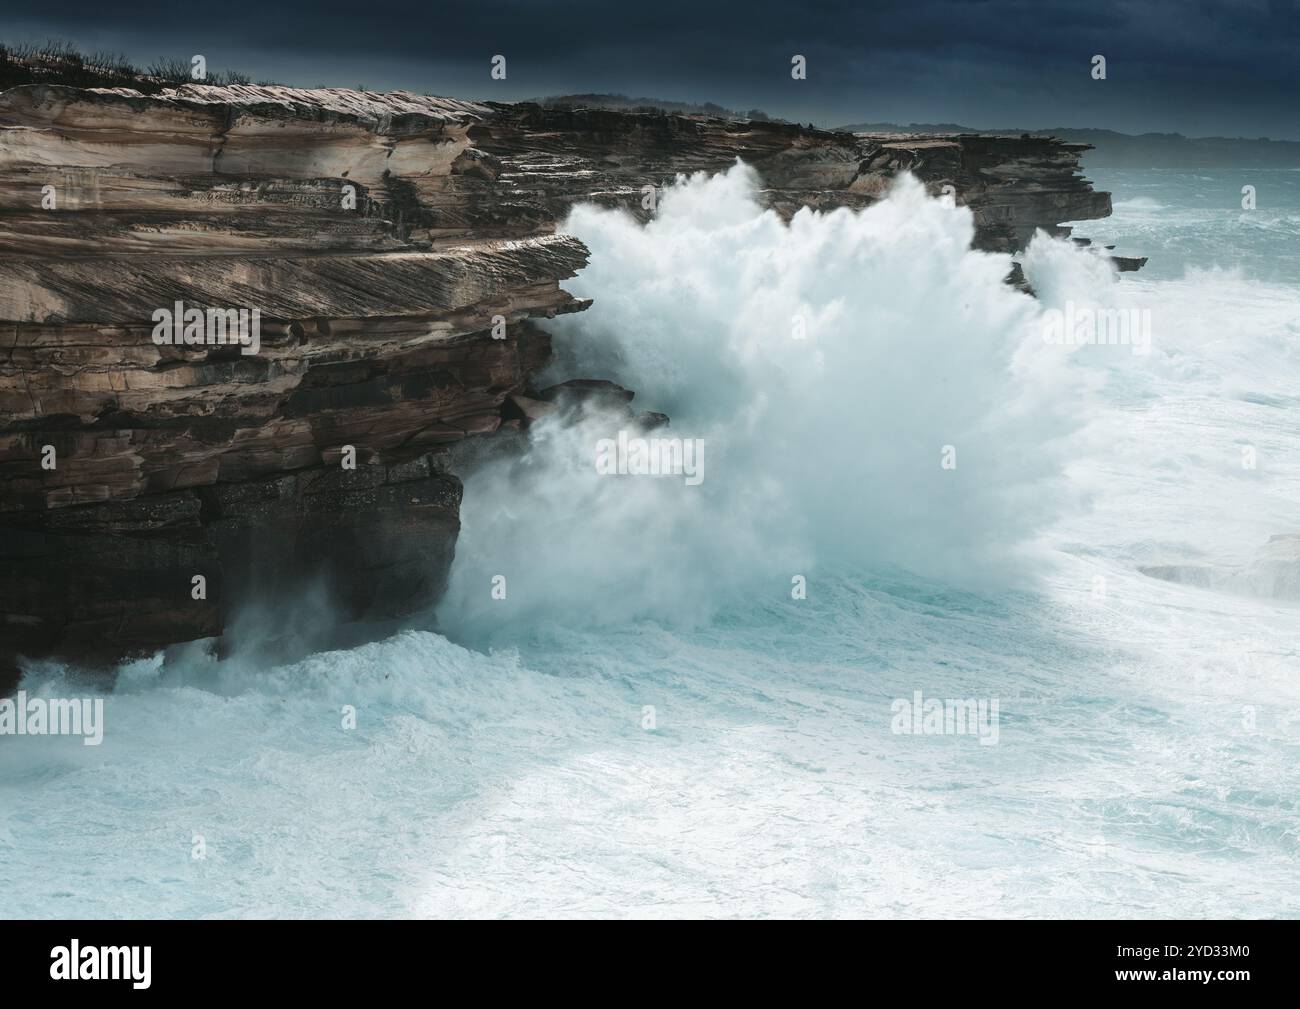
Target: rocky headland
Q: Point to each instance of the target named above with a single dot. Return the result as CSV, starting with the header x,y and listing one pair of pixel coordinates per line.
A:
x,y
398,249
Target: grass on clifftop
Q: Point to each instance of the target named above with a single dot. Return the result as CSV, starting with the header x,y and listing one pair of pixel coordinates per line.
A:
x,y
60,62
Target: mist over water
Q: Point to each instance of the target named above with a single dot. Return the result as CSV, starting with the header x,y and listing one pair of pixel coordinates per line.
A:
x,y
650,725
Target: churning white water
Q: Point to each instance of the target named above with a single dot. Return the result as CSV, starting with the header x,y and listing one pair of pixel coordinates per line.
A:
x,y
650,723
827,367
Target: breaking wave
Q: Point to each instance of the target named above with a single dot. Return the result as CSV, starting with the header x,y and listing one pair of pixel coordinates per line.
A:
x,y
866,390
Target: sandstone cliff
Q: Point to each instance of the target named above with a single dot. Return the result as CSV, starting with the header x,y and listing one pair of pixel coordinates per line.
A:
x,y
398,248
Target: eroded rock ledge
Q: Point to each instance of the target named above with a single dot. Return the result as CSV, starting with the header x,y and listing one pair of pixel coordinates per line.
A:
x,y
385,240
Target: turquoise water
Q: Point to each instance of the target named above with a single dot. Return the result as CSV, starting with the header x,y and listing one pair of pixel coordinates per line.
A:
x,y
651,724
1195,218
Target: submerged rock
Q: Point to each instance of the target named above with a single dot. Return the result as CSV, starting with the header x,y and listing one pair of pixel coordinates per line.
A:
x,y
1274,572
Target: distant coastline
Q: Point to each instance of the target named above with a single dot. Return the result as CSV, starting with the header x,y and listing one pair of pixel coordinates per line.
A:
x,y
1147,150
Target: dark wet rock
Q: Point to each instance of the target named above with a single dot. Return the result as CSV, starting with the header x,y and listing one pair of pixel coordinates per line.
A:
x,y
649,420
598,392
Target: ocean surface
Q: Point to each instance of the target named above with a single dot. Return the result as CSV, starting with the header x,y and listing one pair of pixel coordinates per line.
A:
x,y
688,701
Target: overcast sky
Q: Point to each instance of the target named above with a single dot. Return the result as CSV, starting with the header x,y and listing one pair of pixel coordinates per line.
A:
x,y
1228,68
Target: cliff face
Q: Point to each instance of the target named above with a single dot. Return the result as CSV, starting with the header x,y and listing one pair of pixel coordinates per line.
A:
x,y
397,248
539,157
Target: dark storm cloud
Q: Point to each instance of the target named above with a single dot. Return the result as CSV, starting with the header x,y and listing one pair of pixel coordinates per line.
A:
x,y
1186,65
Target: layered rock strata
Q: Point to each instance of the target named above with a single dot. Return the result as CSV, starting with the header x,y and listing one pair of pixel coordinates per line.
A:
x,y
397,250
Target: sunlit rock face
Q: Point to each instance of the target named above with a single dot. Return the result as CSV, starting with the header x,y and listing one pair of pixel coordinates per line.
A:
x,y
159,468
